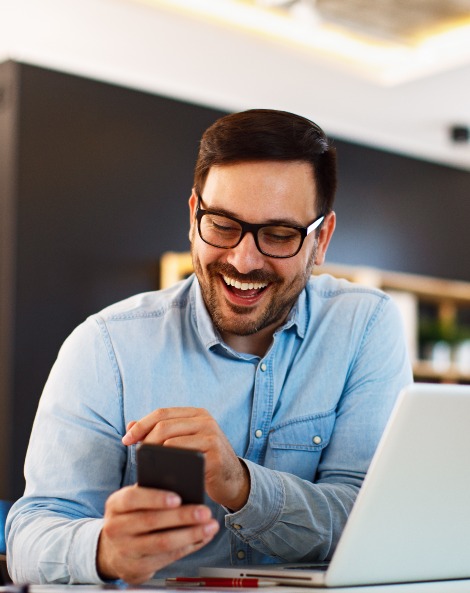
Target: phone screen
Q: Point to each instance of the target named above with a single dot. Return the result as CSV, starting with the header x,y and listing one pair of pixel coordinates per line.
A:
x,y
172,468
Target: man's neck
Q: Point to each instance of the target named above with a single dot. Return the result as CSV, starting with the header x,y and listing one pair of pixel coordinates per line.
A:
x,y
257,344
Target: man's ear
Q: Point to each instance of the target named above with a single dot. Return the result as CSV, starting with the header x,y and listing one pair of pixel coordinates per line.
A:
x,y
324,237
192,212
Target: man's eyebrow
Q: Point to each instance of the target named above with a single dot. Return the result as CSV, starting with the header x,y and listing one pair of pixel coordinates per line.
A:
x,y
271,221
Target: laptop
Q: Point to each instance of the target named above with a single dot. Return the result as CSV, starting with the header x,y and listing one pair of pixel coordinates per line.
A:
x,y
411,519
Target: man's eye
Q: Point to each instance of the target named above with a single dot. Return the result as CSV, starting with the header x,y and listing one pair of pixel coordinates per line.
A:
x,y
280,235
224,225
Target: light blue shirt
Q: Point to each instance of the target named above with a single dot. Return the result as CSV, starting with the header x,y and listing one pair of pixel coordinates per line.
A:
x,y
306,418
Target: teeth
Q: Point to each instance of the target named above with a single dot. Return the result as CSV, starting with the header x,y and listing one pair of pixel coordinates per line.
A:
x,y
244,285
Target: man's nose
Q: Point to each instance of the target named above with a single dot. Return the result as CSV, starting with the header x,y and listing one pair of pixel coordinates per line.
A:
x,y
246,257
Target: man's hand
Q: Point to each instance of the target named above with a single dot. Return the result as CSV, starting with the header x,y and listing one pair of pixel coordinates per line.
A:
x,y
145,529
227,480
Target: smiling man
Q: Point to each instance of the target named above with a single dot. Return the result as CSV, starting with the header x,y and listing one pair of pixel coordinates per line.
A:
x,y
284,381
248,279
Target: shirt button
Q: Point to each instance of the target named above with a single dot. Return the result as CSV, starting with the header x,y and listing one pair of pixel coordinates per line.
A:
x,y
263,366
240,554
316,440
258,433
237,526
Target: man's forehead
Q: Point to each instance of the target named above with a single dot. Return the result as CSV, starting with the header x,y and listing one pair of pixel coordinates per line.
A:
x,y
280,188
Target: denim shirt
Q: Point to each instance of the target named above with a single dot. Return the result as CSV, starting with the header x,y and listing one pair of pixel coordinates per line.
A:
x,y
306,418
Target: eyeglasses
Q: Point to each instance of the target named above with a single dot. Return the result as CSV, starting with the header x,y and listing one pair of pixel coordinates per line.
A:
x,y
274,240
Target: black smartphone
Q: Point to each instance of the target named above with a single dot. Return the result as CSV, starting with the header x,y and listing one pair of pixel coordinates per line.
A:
x,y
172,468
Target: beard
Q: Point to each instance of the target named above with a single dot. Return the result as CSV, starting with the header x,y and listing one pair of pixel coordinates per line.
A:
x,y
244,320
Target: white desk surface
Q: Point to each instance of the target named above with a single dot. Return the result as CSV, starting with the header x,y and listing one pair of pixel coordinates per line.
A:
x,y
456,586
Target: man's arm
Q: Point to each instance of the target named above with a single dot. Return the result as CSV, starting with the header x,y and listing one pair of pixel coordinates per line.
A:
x,y
76,460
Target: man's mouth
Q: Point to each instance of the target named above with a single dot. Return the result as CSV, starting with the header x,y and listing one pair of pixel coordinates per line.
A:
x,y
244,293
244,285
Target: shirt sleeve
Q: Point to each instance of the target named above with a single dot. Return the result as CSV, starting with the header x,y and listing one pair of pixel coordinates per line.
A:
x,y
52,532
294,520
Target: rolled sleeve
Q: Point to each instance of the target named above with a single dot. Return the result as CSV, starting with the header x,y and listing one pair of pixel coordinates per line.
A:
x,y
263,507
290,519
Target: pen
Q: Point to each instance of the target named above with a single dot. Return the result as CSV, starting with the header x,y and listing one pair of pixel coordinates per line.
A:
x,y
219,582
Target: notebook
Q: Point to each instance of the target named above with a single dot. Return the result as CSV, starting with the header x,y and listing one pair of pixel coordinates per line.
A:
x,y
411,519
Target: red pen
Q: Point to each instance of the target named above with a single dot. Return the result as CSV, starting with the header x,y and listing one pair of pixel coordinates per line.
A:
x,y
219,582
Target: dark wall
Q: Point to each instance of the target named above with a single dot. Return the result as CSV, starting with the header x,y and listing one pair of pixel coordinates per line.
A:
x,y
401,214
8,104
104,174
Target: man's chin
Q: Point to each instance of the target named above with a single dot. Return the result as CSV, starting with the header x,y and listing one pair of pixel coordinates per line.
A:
x,y
238,324
245,321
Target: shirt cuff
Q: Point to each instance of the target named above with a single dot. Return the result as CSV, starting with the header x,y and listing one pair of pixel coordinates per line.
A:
x,y
263,507
82,553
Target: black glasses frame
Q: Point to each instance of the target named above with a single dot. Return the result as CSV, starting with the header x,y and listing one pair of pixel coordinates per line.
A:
x,y
247,227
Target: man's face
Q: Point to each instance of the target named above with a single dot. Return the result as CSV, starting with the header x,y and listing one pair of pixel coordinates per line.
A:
x,y
256,192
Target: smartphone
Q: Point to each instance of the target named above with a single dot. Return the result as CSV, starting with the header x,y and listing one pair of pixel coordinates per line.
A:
x,y
172,468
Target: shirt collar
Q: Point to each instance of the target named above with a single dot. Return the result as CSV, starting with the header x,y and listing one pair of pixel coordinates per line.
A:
x,y
208,333
298,315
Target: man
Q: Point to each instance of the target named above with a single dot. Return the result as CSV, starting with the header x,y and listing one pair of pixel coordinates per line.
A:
x,y
283,381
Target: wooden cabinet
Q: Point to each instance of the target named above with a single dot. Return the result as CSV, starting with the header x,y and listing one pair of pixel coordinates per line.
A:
x,y
424,301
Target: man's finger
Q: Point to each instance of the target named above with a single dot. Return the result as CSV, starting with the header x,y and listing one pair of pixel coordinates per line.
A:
x,y
138,571
136,498
141,523
140,429
172,540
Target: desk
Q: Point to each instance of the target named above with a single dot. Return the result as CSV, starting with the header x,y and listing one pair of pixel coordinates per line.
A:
x,y
457,586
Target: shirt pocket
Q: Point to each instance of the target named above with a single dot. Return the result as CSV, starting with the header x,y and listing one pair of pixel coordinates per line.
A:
x,y
296,446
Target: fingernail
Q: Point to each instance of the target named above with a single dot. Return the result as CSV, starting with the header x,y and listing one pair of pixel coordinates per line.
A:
x,y
127,439
173,500
202,513
211,528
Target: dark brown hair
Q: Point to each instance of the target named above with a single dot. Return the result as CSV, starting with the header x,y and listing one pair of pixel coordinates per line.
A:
x,y
266,134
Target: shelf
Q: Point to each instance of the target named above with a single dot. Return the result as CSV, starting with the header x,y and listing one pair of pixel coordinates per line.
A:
x,y
425,370
436,290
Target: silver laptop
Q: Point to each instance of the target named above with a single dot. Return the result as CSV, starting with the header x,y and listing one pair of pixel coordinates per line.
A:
x,y
411,519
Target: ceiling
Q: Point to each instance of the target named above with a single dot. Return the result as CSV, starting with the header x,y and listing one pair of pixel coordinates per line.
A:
x,y
401,21
393,74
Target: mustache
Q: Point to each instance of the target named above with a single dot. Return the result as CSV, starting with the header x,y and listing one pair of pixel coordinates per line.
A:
x,y
225,269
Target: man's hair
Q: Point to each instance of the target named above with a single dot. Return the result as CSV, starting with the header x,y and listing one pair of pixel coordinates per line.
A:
x,y
269,135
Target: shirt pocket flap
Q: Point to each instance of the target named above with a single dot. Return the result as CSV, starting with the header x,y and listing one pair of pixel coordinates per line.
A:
x,y
309,433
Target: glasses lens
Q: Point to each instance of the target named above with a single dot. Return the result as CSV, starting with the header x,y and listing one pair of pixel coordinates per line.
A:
x,y
280,241
219,230
277,241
